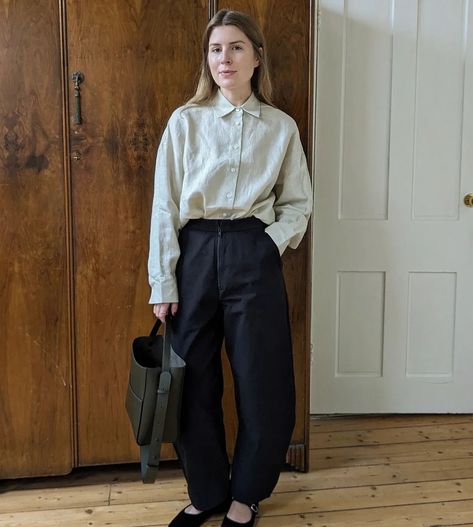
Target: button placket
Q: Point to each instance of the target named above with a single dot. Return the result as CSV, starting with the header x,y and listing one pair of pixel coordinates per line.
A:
x,y
234,159
235,150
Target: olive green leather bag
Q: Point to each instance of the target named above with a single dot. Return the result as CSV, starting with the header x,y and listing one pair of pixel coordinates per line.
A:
x,y
153,400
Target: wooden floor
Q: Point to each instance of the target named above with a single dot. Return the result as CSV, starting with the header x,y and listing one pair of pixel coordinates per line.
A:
x,y
390,471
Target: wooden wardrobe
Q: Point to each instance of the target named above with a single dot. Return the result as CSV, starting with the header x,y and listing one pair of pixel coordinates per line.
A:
x,y
75,201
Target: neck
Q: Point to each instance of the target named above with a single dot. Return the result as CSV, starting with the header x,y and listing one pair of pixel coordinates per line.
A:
x,y
236,98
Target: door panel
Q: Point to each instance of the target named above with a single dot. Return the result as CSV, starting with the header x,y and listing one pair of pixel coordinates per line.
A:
x,y
35,356
139,62
393,272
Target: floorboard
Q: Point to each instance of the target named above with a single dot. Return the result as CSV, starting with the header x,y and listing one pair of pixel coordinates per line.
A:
x,y
381,471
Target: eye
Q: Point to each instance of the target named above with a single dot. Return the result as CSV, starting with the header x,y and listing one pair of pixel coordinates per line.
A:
x,y
237,47
213,50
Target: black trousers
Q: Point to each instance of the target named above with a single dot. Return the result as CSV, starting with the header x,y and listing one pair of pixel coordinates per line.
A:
x,y
231,287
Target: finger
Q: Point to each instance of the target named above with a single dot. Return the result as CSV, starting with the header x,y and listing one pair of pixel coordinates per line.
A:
x,y
160,311
174,309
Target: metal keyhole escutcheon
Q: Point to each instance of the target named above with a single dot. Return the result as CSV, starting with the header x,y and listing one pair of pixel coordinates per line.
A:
x,y
77,78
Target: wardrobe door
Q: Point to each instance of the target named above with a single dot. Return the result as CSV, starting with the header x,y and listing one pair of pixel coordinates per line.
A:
x,y
139,61
35,358
286,25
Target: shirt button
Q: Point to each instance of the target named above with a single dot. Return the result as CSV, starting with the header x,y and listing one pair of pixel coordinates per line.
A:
x,y
233,169
238,109
229,195
238,123
236,147
225,214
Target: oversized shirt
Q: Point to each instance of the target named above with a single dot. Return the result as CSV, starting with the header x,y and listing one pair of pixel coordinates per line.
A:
x,y
220,161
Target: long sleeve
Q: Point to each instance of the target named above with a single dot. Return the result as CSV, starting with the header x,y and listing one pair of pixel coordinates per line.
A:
x,y
293,192
164,247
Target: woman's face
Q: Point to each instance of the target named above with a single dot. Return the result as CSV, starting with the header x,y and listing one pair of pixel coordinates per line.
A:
x,y
231,59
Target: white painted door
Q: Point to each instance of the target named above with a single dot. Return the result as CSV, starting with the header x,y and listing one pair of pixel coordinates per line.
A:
x,y
393,239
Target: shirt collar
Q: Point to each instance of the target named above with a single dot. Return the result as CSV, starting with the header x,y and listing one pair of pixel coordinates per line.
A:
x,y
223,106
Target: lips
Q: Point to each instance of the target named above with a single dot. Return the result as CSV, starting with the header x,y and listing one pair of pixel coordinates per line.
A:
x,y
227,72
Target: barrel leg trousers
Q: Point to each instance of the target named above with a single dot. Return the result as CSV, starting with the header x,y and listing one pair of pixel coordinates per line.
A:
x,y
231,287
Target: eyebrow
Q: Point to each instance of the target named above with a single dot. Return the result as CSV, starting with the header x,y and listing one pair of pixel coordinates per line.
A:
x,y
236,42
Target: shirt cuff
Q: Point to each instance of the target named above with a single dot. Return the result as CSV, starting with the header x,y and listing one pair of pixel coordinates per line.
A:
x,y
276,233
164,292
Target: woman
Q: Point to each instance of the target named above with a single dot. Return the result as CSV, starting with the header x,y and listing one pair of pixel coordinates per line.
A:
x,y
232,191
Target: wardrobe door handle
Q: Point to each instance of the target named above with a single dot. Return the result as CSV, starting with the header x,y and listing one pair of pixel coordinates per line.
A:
x,y
77,78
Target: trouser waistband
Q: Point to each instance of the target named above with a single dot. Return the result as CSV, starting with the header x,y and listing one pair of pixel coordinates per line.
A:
x,y
241,224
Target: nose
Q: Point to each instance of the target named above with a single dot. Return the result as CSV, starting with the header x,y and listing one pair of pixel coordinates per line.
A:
x,y
225,57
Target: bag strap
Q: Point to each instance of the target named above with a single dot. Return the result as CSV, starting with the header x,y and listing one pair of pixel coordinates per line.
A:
x,y
150,454
166,360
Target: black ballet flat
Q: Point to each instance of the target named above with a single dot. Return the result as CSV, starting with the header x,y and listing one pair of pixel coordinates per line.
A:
x,y
232,523
183,519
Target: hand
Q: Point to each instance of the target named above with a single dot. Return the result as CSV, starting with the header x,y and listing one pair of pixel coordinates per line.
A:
x,y
161,310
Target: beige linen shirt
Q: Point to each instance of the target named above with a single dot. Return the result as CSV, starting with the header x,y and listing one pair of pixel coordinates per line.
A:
x,y
221,161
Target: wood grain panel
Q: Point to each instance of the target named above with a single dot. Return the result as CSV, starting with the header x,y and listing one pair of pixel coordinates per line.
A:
x,y
287,28
140,61
35,399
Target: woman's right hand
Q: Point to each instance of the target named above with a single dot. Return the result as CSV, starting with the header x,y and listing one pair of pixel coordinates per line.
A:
x,y
161,310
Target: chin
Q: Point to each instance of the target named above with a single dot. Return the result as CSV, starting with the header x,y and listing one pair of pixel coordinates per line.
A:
x,y
229,85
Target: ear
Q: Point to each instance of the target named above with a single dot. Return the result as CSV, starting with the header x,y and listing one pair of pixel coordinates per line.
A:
x,y
257,59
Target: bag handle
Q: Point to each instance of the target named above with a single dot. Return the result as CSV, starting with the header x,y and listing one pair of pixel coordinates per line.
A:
x,y
166,361
156,327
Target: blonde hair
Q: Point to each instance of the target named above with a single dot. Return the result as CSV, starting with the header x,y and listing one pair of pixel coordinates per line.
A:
x,y
260,81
